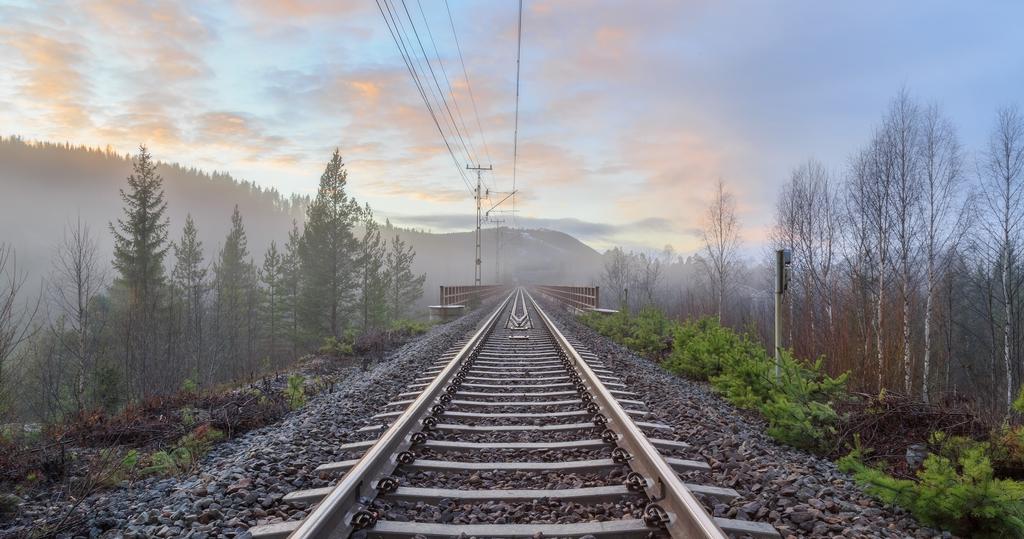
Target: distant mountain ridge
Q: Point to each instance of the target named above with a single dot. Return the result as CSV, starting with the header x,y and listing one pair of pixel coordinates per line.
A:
x,y
43,186
47,185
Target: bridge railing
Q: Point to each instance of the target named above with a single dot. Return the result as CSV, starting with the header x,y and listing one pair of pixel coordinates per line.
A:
x,y
463,294
584,298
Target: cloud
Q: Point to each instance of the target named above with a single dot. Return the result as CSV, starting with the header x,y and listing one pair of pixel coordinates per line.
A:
x,y
162,40
51,75
629,111
237,131
588,231
277,10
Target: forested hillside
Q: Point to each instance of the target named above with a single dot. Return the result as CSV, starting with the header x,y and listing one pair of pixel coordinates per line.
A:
x,y
172,310
59,184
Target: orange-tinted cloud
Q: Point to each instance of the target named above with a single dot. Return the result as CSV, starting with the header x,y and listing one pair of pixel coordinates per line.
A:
x,y
51,79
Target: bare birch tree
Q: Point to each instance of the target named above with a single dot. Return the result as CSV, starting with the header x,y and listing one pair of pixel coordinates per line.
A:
x,y
617,275
16,318
78,278
721,242
943,212
902,140
1002,177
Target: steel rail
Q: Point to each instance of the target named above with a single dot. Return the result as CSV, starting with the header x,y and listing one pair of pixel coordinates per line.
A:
x,y
685,515
333,517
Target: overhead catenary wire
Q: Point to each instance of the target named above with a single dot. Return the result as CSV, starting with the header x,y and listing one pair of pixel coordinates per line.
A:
x,y
400,39
469,87
436,95
437,83
448,83
393,28
515,136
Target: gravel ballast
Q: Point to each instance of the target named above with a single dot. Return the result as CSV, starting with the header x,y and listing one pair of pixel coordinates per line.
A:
x,y
802,495
240,483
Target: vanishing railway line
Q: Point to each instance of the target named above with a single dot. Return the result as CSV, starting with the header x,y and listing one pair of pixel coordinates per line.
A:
x,y
514,432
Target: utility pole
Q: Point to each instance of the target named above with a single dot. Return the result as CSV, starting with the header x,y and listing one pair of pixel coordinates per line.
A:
x,y
476,268
783,260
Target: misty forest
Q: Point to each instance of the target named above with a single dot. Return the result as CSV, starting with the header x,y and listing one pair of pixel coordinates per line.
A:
x,y
168,312
905,262
737,270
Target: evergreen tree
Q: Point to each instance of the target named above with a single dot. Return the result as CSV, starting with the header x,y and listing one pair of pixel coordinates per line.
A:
x,y
403,287
234,277
327,252
373,286
273,280
291,268
140,244
189,276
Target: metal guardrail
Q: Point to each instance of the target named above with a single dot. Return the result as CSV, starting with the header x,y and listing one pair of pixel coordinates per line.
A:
x,y
463,294
684,514
580,297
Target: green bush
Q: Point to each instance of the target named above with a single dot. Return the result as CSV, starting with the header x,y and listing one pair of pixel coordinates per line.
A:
x,y
1018,403
410,327
188,385
296,391
333,346
614,326
9,503
798,406
957,493
175,461
651,333
702,348
186,452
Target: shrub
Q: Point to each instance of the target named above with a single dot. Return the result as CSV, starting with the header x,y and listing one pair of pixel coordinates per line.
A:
x,y
959,494
187,451
296,391
650,333
798,406
171,462
188,416
9,503
410,327
189,386
1018,403
332,346
702,348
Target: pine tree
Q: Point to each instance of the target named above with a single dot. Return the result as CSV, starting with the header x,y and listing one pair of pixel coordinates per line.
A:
x,y
140,244
291,273
403,287
272,278
373,286
234,277
189,276
327,252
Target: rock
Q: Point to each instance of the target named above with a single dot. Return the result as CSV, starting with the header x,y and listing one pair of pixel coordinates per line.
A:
x,y
243,483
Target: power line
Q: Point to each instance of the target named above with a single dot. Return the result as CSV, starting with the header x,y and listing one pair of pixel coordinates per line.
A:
x,y
469,87
437,84
400,43
515,137
448,82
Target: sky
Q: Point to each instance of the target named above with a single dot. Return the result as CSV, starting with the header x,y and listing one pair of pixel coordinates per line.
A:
x,y
629,111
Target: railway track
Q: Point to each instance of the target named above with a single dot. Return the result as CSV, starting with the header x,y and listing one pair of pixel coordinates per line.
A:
x,y
514,432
